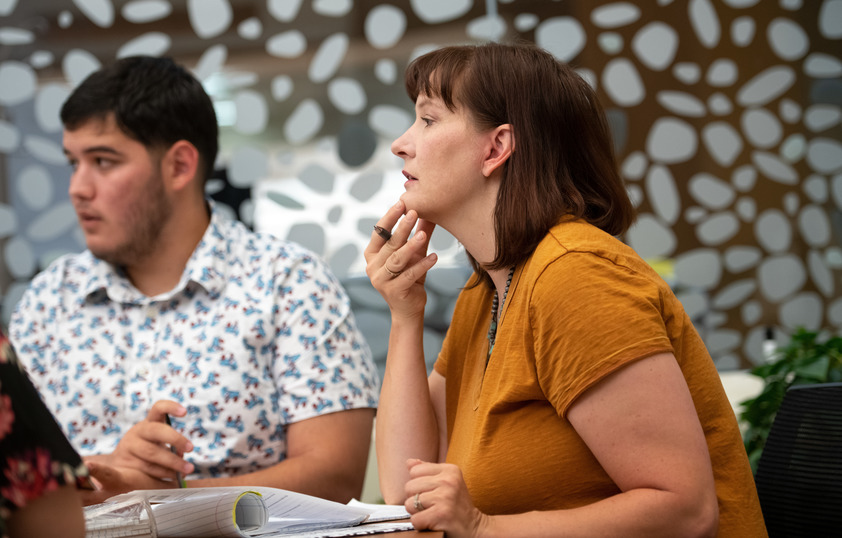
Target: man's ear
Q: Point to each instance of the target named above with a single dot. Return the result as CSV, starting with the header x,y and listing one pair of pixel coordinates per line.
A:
x,y
501,146
180,165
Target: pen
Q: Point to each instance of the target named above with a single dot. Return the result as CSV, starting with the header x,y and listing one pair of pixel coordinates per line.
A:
x,y
178,476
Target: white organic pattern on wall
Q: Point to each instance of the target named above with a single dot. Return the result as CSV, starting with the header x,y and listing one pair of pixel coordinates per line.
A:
x,y
726,114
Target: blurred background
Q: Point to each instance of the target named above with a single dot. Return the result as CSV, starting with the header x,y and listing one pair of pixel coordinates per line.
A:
x,y
726,117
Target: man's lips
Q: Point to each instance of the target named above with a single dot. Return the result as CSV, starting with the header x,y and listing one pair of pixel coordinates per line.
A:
x,y
87,216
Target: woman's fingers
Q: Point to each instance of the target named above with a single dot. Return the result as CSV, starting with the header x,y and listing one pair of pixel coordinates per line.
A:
x,y
438,498
397,266
382,231
410,262
388,258
401,232
427,227
417,272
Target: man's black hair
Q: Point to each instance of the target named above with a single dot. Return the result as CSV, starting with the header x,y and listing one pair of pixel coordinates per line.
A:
x,y
154,101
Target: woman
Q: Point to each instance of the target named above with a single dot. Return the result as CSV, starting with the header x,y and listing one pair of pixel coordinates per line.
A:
x,y
40,470
572,395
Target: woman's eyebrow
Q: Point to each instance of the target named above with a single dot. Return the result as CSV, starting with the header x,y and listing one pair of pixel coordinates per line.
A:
x,y
423,103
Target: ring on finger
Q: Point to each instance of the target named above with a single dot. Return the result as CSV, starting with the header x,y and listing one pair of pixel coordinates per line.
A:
x,y
393,274
417,503
382,232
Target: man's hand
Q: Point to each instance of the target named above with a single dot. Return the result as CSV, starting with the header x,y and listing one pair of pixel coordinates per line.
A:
x,y
112,481
146,446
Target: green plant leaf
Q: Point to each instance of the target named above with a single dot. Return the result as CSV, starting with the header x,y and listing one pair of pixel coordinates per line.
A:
x,y
815,369
764,370
805,359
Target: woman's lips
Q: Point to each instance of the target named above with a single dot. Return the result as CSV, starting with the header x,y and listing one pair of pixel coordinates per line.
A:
x,y
409,176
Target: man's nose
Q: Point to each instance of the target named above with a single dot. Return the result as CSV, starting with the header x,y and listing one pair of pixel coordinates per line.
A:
x,y
81,186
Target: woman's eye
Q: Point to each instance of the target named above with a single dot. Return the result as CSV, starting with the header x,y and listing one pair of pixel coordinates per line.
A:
x,y
427,121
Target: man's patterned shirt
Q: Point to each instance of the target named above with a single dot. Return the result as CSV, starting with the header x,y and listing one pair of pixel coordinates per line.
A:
x,y
258,334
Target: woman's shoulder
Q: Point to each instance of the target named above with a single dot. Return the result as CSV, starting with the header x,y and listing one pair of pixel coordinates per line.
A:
x,y
577,244
576,257
578,235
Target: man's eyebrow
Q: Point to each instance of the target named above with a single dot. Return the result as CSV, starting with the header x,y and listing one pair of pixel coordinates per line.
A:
x,y
95,149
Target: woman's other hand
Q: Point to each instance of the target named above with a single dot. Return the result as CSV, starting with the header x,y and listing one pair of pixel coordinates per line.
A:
x,y
438,499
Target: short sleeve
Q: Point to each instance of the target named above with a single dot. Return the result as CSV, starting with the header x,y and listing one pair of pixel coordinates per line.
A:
x,y
37,457
323,363
589,317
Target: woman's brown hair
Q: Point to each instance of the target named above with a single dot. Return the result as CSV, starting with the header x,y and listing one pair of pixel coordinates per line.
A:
x,y
563,162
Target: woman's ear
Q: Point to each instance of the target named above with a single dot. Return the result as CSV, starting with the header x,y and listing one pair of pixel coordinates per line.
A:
x,y
501,146
180,165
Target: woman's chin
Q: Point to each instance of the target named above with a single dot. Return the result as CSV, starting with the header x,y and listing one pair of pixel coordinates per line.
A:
x,y
408,201
411,204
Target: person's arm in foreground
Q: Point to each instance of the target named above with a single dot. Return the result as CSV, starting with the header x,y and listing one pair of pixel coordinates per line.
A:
x,y
40,470
641,425
58,512
408,424
326,457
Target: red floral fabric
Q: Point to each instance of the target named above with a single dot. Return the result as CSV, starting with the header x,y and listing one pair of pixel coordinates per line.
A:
x,y
36,456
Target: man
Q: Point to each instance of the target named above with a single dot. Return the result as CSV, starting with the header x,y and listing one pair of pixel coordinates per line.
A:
x,y
246,342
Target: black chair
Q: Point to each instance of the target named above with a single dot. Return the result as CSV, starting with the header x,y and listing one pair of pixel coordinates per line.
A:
x,y
799,474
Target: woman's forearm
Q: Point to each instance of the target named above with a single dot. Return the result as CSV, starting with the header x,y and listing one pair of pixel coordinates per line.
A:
x,y
644,512
406,425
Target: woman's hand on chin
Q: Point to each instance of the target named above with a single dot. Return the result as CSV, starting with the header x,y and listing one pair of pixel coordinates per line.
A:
x,y
397,264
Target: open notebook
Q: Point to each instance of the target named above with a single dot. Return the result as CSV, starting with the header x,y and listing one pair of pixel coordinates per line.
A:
x,y
235,512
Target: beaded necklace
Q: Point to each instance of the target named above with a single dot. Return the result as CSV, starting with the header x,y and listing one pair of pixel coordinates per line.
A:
x,y
492,328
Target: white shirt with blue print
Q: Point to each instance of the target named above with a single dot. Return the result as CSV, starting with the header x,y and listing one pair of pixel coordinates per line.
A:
x,y
258,334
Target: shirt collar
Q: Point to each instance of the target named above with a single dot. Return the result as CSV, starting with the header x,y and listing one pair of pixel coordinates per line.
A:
x,y
208,264
206,267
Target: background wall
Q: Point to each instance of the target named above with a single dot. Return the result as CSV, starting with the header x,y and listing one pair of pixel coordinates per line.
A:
x,y
726,114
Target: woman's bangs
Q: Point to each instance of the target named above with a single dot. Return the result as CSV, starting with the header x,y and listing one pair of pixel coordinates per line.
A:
x,y
436,74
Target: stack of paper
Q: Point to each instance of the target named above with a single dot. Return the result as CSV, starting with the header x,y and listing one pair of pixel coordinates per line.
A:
x,y
131,517
235,512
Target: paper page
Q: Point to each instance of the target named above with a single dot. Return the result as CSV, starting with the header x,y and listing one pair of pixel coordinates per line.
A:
x,y
290,512
199,517
381,512
119,519
204,512
359,530
286,511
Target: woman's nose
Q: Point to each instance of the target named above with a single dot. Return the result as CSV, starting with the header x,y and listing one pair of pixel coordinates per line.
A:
x,y
399,146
